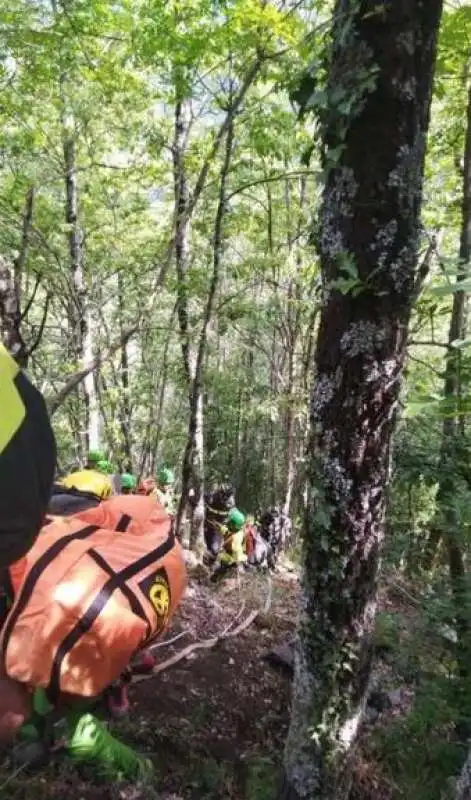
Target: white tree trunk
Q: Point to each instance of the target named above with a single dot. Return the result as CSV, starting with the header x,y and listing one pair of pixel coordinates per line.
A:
x,y
94,419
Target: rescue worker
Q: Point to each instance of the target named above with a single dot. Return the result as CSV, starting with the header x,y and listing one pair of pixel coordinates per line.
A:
x,y
27,464
148,487
40,569
163,492
105,467
82,489
94,456
27,461
79,642
232,554
128,483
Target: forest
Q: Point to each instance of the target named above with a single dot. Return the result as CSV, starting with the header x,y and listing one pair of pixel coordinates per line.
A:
x,y
235,242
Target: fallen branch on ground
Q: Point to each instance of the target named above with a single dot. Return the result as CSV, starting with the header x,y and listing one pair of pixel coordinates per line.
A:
x,y
400,589
168,642
207,644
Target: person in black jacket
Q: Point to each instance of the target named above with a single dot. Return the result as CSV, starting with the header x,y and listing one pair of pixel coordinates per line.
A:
x,y
27,465
27,461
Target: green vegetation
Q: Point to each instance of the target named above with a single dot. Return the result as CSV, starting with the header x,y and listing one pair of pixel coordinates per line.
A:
x,y
163,254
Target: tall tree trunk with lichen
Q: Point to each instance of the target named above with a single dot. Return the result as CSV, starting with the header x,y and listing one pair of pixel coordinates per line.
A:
x,y
10,315
380,66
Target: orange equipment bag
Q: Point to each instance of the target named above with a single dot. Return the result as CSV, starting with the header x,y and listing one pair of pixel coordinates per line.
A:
x,y
97,586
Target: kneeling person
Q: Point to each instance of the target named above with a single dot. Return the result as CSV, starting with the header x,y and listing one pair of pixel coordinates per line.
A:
x,y
96,588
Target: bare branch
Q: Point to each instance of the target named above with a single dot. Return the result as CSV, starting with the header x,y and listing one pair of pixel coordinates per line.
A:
x,y
54,402
39,277
232,111
20,260
39,335
424,269
430,343
206,644
271,179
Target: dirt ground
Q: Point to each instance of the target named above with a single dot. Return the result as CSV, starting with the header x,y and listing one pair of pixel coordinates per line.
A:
x,y
214,724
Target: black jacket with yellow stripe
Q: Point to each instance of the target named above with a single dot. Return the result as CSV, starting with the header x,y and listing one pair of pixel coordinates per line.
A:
x,y
27,461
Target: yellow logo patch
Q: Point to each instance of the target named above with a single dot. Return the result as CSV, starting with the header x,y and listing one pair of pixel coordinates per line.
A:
x,y
159,596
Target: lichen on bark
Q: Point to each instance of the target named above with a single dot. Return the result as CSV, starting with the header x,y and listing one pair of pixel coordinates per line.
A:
x,y
384,54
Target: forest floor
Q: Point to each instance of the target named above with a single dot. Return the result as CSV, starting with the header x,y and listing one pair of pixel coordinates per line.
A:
x,y
215,723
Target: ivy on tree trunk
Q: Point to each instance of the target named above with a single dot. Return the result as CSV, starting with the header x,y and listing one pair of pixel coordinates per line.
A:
x,y
374,125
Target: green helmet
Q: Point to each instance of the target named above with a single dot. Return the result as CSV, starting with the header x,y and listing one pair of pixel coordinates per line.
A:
x,y
128,481
166,476
105,467
95,456
235,519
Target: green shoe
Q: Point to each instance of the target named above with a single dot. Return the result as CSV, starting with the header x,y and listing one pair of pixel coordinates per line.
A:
x,y
89,741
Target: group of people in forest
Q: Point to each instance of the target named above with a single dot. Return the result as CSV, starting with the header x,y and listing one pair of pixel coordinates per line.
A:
x,y
91,572
97,481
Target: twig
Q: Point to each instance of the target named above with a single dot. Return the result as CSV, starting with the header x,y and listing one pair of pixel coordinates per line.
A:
x,y
398,587
233,621
209,643
167,642
15,774
428,344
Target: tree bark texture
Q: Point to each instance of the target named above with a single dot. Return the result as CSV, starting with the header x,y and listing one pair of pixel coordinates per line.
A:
x,y
182,255
374,132
76,312
125,410
10,315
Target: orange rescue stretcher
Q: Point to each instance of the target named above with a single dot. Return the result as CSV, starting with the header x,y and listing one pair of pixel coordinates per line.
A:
x,y
94,589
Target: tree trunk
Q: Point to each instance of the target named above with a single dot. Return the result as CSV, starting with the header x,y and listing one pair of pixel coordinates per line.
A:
x,y
156,411
182,233
10,315
125,403
76,312
77,316
293,324
197,434
273,454
193,462
374,160
90,386
80,322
